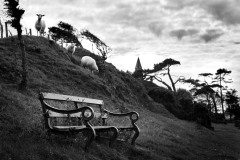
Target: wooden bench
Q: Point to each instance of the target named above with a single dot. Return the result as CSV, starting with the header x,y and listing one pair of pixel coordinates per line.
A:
x,y
60,120
103,124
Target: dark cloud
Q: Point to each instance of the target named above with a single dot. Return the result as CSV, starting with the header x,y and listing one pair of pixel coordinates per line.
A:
x,y
178,4
180,33
227,11
211,34
156,28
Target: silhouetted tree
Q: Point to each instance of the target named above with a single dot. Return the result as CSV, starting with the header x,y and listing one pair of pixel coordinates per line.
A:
x,y
100,45
204,90
220,77
232,101
15,13
163,69
64,33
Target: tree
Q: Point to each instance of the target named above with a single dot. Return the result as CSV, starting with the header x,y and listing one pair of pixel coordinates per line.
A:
x,y
165,68
15,13
64,33
101,46
232,101
220,77
204,90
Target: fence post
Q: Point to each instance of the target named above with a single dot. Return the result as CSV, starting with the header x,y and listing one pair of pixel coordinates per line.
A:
x,y
6,28
1,27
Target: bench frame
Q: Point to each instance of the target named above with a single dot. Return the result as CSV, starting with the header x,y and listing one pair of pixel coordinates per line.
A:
x,y
49,110
103,115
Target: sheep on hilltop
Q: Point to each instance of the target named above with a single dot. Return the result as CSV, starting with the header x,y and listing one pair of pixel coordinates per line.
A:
x,y
40,25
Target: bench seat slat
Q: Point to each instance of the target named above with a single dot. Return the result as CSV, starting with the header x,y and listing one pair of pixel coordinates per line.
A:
x,y
59,115
68,128
53,96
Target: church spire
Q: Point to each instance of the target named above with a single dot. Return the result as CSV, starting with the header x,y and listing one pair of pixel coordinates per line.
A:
x,y
138,66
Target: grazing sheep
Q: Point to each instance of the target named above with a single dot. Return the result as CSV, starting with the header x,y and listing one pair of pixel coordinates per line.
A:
x,y
89,62
40,25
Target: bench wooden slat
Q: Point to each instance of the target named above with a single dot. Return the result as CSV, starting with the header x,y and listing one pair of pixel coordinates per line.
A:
x,y
67,128
53,96
59,115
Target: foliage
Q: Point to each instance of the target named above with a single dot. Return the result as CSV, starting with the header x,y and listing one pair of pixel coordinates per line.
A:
x,y
65,33
232,100
168,99
185,99
202,115
15,13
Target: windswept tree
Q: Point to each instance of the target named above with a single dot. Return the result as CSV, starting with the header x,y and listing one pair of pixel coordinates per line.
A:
x,y
162,69
15,14
65,33
100,45
221,78
204,90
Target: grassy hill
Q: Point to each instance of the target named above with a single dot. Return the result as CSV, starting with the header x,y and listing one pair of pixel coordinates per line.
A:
x,y
50,69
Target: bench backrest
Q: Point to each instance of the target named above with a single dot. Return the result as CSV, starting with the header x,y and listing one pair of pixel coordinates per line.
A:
x,y
63,109
60,97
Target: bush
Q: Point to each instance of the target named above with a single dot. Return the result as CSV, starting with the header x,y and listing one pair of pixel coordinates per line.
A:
x,y
167,98
201,115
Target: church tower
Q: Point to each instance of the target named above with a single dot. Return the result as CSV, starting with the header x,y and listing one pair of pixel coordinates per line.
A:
x,y
138,73
138,66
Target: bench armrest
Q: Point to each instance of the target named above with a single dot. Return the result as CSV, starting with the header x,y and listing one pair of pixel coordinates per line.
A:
x,y
87,112
133,116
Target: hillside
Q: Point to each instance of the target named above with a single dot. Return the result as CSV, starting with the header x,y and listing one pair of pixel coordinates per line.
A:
x,y
50,70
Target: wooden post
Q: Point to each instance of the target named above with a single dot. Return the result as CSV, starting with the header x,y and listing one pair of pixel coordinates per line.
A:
x,y
6,28
1,27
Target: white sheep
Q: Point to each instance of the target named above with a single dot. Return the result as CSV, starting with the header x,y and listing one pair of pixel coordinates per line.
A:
x,y
71,48
89,62
40,25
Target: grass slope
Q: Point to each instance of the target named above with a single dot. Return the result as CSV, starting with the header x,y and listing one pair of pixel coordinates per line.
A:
x,y
22,135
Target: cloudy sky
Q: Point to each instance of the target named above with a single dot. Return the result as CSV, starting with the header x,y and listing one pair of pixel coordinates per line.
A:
x,y
204,35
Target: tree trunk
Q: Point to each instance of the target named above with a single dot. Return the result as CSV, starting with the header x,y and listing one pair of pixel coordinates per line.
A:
x,y
159,80
221,96
1,27
173,85
23,84
214,103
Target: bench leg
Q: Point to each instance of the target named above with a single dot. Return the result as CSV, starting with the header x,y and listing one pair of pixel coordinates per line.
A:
x,y
136,134
114,136
91,138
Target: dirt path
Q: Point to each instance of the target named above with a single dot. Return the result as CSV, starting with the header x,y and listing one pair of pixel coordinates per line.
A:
x,y
228,142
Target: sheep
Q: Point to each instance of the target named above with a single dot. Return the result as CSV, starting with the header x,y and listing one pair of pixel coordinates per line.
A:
x,y
40,25
90,63
71,48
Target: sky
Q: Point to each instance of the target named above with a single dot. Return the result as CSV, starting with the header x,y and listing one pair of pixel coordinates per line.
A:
x,y
204,35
